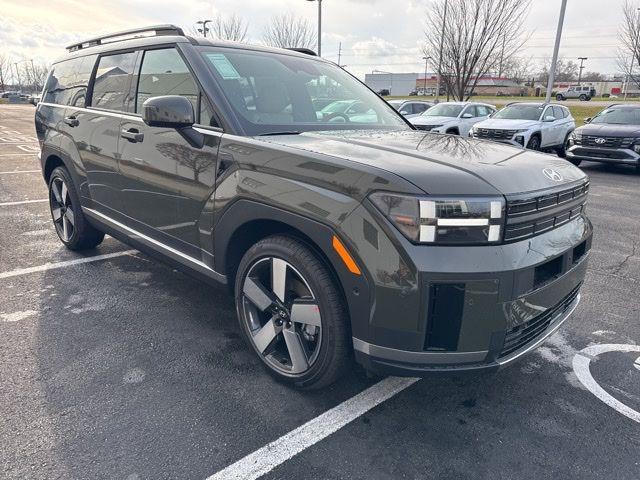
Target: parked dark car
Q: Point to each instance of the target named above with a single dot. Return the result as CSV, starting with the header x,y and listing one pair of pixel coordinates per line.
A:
x,y
612,136
416,252
384,92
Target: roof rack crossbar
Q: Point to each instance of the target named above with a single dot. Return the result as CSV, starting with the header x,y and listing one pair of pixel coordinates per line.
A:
x,y
165,29
306,51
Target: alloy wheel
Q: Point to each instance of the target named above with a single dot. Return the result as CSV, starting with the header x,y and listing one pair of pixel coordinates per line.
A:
x,y
282,316
62,209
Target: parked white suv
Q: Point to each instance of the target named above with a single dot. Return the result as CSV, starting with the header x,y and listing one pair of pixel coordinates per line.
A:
x,y
536,126
581,93
455,118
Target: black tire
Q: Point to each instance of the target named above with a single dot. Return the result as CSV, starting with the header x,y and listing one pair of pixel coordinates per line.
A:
x,y
576,162
562,151
559,98
72,227
328,353
582,98
534,143
453,131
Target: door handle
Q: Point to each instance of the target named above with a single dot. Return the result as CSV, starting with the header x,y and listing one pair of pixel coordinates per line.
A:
x,y
72,121
132,135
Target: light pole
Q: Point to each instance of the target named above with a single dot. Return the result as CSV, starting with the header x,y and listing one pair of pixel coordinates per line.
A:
x,y
426,62
319,25
633,57
204,28
444,16
582,59
556,47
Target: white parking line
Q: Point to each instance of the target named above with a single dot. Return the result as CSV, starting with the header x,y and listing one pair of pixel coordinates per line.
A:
x,y
279,451
17,154
19,171
23,202
67,263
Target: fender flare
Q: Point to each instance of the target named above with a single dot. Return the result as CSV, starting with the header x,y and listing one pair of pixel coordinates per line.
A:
x,y
355,288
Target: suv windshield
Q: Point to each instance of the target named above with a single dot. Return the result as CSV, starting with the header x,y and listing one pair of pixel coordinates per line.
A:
x,y
443,110
618,116
520,112
274,93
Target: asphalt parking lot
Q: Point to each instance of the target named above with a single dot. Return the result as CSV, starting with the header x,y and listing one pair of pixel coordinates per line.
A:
x,y
115,366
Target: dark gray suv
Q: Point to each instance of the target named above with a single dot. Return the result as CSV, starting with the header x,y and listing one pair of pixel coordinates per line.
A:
x,y
338,235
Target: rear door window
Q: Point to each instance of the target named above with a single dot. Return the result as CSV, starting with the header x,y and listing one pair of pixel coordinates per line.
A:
x,y
111,88
68,81
419,107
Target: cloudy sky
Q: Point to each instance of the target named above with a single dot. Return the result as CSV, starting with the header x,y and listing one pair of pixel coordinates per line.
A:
x,y
375,34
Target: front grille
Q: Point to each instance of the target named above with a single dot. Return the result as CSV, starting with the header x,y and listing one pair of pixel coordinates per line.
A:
x,y
518,337
602,153
494,134
603,142
528,216
426,128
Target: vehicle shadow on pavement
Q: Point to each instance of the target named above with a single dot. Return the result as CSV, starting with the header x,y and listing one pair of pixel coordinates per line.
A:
x,y
143,371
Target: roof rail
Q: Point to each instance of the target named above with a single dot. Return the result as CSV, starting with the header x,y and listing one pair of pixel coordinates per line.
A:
x,y
166,29
306,51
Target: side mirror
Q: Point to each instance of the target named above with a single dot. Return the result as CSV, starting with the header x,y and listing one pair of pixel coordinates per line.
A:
x,y
467,115
404,112
549,118
587,119
168,111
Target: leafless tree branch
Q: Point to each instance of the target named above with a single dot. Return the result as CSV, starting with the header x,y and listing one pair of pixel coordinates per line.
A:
x,y
289,31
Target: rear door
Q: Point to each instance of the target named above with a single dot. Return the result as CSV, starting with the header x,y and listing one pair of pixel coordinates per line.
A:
x,y
167,181
96,130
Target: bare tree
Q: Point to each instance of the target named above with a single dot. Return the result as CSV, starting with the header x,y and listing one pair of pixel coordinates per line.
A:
x,y
566,71
4,71
518,69
478,35
289,31
628,57
232,28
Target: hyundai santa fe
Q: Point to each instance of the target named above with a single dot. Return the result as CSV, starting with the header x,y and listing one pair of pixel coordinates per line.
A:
x,y
340,237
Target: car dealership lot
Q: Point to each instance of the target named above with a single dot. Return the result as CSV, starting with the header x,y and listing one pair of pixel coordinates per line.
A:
x,y
122,367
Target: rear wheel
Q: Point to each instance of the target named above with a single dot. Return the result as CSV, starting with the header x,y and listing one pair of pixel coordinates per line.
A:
x,y
292,313
559,98
582,98
71,225
534,143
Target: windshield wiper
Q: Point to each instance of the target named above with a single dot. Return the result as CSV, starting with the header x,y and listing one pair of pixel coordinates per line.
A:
x,y
293,132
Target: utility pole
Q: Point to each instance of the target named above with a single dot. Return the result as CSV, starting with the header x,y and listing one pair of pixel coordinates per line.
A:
x,y
633,57
444,16
339,52
582,59
556,47
426,62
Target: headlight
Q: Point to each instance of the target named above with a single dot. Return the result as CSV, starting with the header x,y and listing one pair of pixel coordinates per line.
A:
x,y
576,135
444,220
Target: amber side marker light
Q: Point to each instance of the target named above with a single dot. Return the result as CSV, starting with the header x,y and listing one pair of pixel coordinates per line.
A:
x,y
345,256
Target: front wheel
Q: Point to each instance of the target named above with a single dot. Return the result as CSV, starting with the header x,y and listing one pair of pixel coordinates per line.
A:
x,y
292,313
562,151
534,143
71,225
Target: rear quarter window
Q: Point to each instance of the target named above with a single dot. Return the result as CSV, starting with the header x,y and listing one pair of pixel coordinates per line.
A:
x,y
68,81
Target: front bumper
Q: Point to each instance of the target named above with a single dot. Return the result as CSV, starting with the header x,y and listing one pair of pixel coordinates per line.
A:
x,y
444,309
605,155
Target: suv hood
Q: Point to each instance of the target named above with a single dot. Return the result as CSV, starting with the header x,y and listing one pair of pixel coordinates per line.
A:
x,y
506,124
423,120
438,164
610,130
